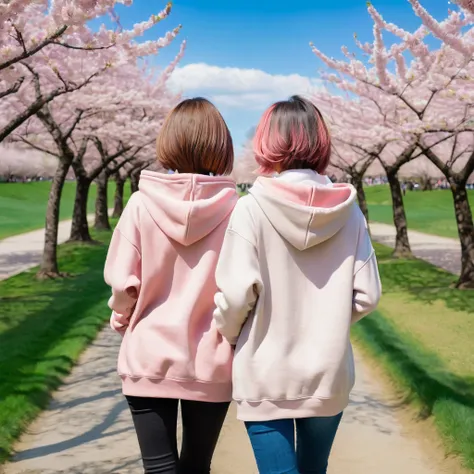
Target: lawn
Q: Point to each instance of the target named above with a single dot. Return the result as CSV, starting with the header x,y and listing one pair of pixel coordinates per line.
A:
x,y
422,333
430,211
44,327
23,205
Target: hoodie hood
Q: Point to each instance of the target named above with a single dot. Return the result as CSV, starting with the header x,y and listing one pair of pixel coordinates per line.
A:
x,y
187,207
305,208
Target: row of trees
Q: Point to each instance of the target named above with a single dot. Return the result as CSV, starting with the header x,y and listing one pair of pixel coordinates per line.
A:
x,y
82,97
25,165
404,103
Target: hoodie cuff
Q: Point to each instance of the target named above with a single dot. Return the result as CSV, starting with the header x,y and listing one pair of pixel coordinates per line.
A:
x,y
116,325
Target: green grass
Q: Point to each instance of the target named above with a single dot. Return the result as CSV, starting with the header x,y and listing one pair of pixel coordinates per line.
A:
x,y
44,327
422,335
23,205
430,211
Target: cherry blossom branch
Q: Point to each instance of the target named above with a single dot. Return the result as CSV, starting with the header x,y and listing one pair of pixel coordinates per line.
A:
x,y
444,130
36,146
348,165
368,158
402,159
107,159
13,89
446,168
41,101
83,48
428,102
78,118
438,31
459,155
378,149
137,166
453,149
32,109
28,53
119,166
431,155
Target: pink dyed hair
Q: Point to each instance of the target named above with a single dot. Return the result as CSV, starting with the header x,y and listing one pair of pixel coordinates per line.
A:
x,y
292,134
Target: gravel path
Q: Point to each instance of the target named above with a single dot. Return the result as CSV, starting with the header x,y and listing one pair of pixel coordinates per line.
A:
x,y
87,428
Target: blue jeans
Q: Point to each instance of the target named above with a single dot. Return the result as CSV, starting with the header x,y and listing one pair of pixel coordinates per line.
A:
x,y
273,444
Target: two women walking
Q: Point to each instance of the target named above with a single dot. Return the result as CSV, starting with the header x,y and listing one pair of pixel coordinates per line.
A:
x,y
250,299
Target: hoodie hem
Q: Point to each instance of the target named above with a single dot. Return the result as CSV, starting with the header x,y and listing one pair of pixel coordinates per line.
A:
x,y
269,410
182,390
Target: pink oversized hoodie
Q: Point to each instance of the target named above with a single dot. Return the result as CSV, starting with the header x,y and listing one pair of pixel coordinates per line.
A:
x,y
297,268
161,267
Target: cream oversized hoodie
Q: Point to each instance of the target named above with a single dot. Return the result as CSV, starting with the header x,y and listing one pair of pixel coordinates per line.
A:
x,y
296,270
161,267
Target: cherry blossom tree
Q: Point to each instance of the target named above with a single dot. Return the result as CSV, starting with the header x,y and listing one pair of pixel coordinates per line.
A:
x,y
428,102
20,164
363,133
352,163
245,166
146,111
21,39
125,173
356,143
140,158
62,128
59,31
121,131
148,162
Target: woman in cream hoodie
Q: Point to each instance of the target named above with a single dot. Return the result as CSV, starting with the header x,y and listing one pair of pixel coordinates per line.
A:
x,y
297,269
161,267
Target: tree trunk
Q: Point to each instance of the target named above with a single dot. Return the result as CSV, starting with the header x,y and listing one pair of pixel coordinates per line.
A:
x,y
101,204
49,264
466,233
134,179
426,184
402,244
361,198
118,199
80,226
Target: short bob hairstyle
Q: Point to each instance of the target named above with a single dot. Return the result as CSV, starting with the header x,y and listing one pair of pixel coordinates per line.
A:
x,y
292,134
195,139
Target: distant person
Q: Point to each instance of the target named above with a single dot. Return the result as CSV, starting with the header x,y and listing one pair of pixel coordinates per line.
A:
x,y
161,267
404,188
297,269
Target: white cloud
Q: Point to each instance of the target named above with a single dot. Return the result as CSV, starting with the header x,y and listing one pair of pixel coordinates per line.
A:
x,y
239,88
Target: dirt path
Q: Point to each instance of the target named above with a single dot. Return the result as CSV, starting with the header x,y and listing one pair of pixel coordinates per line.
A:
x,y
87,428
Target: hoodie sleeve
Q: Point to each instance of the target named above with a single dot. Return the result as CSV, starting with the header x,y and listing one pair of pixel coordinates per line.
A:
x,y
123,267
367,285
237,275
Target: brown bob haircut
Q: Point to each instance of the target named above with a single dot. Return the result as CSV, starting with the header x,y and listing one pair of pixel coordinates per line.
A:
x,y
195,139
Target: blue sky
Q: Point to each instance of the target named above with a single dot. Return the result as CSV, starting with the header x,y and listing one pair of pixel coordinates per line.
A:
x,y
245,54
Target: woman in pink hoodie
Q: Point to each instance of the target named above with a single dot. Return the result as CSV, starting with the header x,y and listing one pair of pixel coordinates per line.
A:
x,y
296,270
161,267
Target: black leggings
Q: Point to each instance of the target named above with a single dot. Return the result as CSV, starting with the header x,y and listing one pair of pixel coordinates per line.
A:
x,y
155,421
